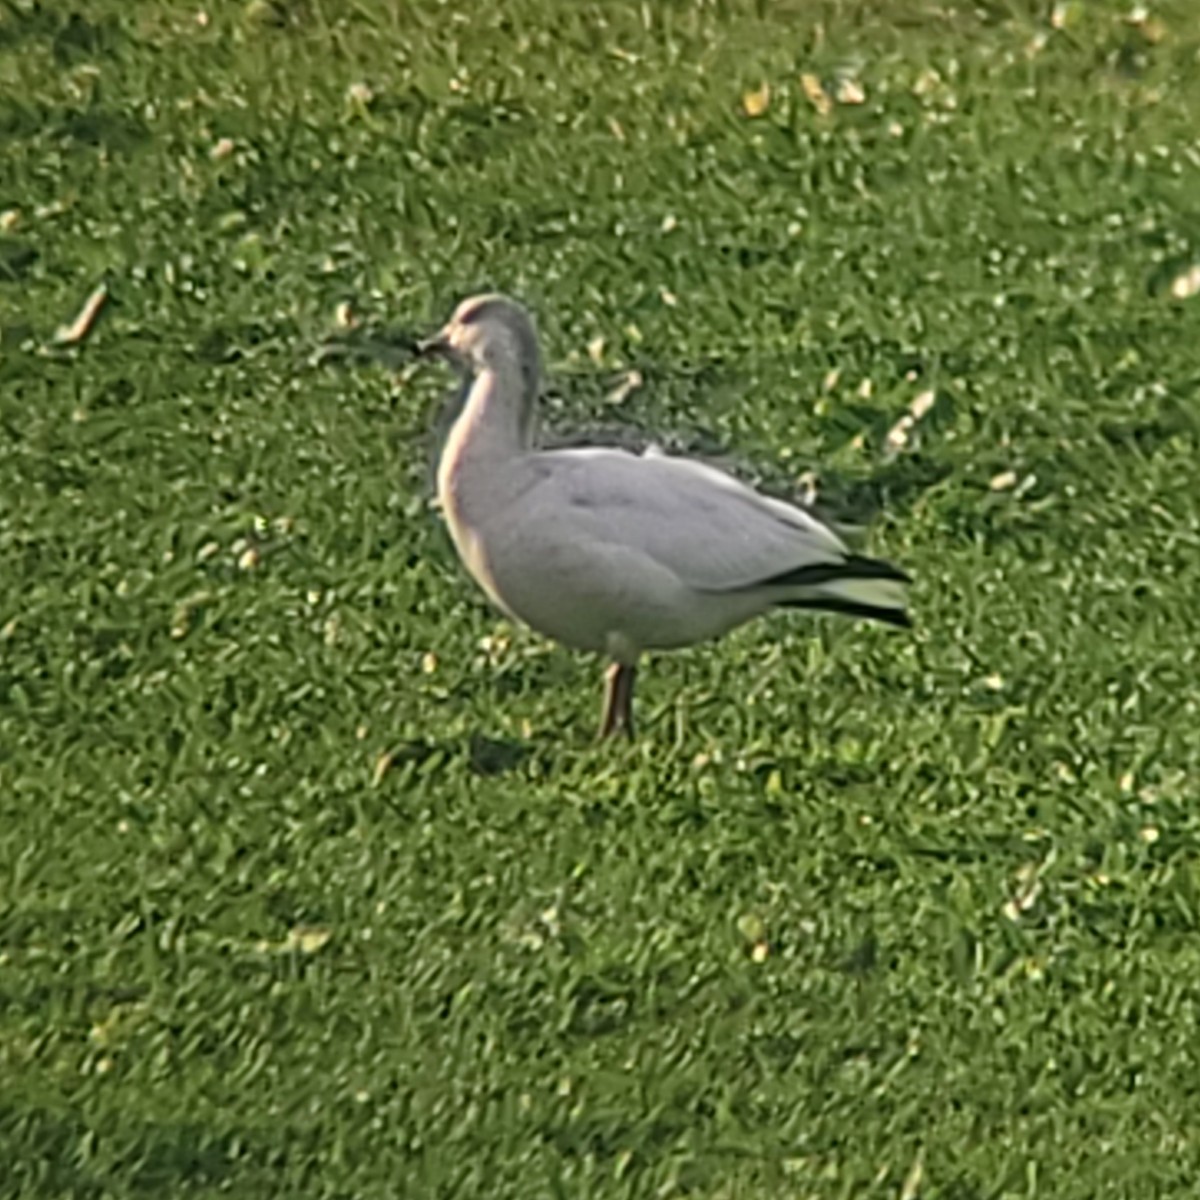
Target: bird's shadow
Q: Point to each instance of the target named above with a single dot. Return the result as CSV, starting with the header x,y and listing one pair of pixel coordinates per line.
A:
x,y
489,756
392,349
484,755
893,486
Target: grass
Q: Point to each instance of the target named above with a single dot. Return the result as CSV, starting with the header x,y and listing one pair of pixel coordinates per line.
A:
x,y
311,881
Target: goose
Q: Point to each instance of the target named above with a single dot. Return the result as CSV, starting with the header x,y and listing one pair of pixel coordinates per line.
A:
x,y
612,552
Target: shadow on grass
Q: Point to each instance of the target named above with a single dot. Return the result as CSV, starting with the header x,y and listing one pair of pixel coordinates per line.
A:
x,y
485,756
16,259
894,486
495,756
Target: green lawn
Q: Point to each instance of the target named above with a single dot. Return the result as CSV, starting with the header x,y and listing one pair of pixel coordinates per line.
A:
x,y
312,882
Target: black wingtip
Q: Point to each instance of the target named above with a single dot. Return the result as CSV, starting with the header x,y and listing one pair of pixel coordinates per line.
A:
x,y
853,566
859,566
849,608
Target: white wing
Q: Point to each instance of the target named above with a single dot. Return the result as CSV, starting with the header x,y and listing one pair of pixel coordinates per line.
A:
x,y
711,531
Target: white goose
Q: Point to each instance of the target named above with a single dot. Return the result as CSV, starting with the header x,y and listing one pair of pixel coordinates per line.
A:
x,y
612,552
